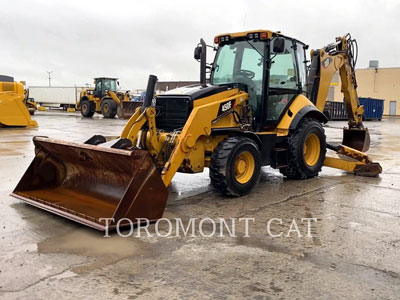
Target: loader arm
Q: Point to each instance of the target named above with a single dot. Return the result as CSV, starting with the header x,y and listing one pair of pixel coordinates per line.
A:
x,y
113,96
198,124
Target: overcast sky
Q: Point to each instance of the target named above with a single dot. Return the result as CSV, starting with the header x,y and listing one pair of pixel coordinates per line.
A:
x,y
79,40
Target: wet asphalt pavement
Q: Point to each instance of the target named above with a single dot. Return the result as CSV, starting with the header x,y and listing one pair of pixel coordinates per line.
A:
x,y
352,251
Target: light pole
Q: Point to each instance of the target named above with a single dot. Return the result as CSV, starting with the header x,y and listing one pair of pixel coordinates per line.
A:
x,y
49,72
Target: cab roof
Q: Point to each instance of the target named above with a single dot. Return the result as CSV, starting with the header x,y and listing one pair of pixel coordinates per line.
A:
x,y
245,33
269,34
105,78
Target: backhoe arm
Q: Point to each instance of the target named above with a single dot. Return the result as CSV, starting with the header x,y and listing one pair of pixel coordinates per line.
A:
x,y
325,62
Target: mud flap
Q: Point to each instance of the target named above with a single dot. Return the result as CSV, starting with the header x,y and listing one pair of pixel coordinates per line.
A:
x,y
126,108
356,138
88,183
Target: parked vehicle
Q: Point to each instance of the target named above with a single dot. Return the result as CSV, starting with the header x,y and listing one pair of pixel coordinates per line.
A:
x,y
55,96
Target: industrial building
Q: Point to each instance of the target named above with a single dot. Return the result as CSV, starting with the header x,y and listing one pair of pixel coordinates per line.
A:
x,y
374,82
163,86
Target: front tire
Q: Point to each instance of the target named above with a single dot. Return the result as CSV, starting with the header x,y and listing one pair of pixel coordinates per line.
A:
x,y
108,108
235,166
306,150
87,108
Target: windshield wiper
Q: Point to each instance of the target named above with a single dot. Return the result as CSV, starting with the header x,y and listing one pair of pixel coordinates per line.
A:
x,y
252,46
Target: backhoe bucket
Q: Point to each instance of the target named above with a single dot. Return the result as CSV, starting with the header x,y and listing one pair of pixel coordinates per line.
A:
x,y
356,138
13,111
127,108
96,186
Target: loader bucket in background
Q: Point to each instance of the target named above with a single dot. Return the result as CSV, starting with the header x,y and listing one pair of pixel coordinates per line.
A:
x,y
13,111
127,108
86,183
356,138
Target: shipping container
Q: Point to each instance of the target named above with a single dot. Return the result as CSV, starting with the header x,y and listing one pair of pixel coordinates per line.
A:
x,y
373,108
55,96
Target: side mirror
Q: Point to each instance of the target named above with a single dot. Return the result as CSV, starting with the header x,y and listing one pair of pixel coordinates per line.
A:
x,y
117,82
279,45
197,52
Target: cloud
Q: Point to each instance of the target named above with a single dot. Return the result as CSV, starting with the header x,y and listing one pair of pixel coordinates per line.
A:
x,y
79,40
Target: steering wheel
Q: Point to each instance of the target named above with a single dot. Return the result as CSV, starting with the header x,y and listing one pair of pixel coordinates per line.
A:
x,y
247,73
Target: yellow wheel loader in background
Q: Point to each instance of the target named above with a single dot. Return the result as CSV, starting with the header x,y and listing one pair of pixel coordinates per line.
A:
x,y
30,103
105,99
260,107
13,104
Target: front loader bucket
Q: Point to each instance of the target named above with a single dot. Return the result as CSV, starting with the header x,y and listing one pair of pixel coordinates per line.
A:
x,y
127,108
356,138
13,111
87,183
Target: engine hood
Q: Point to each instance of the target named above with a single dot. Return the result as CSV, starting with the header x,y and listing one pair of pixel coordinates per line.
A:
x,y
196,91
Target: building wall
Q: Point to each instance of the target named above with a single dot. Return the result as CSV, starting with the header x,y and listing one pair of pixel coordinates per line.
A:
x,y
381,83
164,86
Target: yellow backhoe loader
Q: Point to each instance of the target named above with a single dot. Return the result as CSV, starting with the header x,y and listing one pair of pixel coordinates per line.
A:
x,y
13,104
258,108
105,99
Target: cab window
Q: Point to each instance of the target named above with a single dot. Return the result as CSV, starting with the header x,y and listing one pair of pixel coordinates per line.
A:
x,y
98,86
301,59
283,68
241,62
252,61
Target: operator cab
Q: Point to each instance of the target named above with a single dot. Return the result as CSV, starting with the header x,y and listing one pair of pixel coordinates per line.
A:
x,y
270,65
104,84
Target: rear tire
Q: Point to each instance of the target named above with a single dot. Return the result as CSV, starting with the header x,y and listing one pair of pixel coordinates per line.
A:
x,y
108,108
87,108
235,166
306,150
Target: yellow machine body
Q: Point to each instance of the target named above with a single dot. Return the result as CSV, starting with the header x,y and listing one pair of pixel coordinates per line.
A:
x,y
106,100
13,110
223,126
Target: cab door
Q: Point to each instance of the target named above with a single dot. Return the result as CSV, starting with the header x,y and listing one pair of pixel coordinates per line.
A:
x,y
98,90
283,81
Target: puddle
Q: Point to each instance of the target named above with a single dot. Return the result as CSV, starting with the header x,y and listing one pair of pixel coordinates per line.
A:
x,y
104,251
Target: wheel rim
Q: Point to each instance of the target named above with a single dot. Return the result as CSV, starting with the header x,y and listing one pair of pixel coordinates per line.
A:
x,y
244,167
312,149
106,108
84,108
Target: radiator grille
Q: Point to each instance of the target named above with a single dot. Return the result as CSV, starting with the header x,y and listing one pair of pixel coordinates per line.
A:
x,y
172,112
